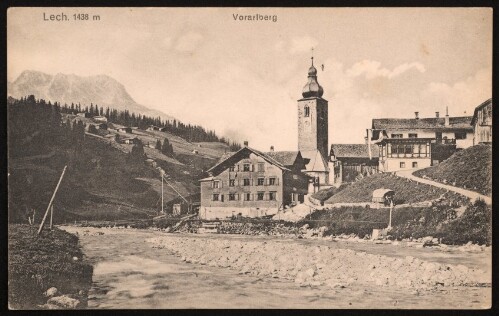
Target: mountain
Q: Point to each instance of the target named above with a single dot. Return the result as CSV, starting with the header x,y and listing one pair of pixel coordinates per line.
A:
x,y
101,90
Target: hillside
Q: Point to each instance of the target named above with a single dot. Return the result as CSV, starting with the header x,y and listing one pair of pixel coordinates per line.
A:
x,y
470,168
406,191
101,182
102,90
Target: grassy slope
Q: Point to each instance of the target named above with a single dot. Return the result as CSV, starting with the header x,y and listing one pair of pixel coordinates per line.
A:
x,y
103,186
36,264
438,221
405,191
470,168
324,194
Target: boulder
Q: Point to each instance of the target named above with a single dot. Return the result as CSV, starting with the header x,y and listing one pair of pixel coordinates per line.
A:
x,y
51,292
65,302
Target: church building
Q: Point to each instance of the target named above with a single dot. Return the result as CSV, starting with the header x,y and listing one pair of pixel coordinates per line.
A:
x,y
313,132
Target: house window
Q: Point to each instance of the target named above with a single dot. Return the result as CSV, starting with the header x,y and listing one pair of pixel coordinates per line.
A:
x,y
232,168
272,196
438,135
232,196
216,197
397,135
412,135
246,167
408,149
260,195
460,135
216,184
260,181
272,181
402,164
307,111
247,196
261,167
246,182
232,182
414,164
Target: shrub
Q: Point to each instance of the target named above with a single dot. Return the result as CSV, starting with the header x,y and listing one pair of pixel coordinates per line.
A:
x,y
474,225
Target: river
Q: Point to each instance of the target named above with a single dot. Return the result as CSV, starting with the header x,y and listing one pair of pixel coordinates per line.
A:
x,y
130,274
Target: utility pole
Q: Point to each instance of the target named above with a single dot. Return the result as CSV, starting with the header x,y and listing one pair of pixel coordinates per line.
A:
x,y
51,201
162,174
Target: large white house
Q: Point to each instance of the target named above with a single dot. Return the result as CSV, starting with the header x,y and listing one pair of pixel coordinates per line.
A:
x,y
419,142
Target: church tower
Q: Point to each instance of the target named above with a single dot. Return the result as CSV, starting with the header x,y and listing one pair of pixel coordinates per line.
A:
x,y
313,117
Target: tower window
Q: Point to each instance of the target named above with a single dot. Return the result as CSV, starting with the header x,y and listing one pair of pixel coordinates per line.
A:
x,y
307,111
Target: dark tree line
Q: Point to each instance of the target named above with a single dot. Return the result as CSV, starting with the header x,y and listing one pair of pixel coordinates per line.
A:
x,y
35,125
191,133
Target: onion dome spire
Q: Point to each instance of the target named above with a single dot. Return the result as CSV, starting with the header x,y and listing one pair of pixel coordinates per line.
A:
x,y
312,88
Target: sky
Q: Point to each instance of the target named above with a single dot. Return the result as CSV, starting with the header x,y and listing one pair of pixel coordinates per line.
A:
x,y
243,78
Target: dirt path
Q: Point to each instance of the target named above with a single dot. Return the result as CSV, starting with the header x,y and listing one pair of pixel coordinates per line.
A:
x,y
470,194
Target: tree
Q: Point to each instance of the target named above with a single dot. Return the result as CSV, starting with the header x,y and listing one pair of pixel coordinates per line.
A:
x,y
158,145
92,129
167,148
137,154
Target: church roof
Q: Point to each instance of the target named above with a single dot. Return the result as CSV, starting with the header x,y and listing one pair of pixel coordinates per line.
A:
x,y
315,160
433,123
312,88
354,150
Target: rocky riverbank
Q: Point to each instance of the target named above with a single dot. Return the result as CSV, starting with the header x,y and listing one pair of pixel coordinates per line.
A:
x,y
48,271
320,265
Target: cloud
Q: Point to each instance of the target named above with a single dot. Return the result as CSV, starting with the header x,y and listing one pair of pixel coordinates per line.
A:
x,y
302,44
372,69
368,90
460,96
188,42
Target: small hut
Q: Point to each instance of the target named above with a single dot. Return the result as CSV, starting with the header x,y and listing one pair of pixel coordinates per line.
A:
x,y
383,196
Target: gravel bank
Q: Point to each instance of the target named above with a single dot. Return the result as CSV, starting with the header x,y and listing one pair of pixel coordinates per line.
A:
x,y
319,265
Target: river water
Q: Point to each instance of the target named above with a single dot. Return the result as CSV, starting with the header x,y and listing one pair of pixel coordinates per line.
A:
x,y
130,274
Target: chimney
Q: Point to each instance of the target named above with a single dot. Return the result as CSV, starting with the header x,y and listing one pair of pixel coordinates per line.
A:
x,y
437,114
245,143
417,115
271,148
447,123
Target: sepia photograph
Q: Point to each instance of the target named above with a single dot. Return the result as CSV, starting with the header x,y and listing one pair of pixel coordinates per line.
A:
x,y
249,158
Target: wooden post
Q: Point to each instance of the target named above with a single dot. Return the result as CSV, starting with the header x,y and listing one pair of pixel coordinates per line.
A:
x,y
391,208
162,173
51,201
51,215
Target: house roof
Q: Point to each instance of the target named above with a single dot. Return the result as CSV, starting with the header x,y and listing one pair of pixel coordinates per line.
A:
x,y
380,193
354,150
435,123
316,161
478,108
228,156
286,158
225,156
